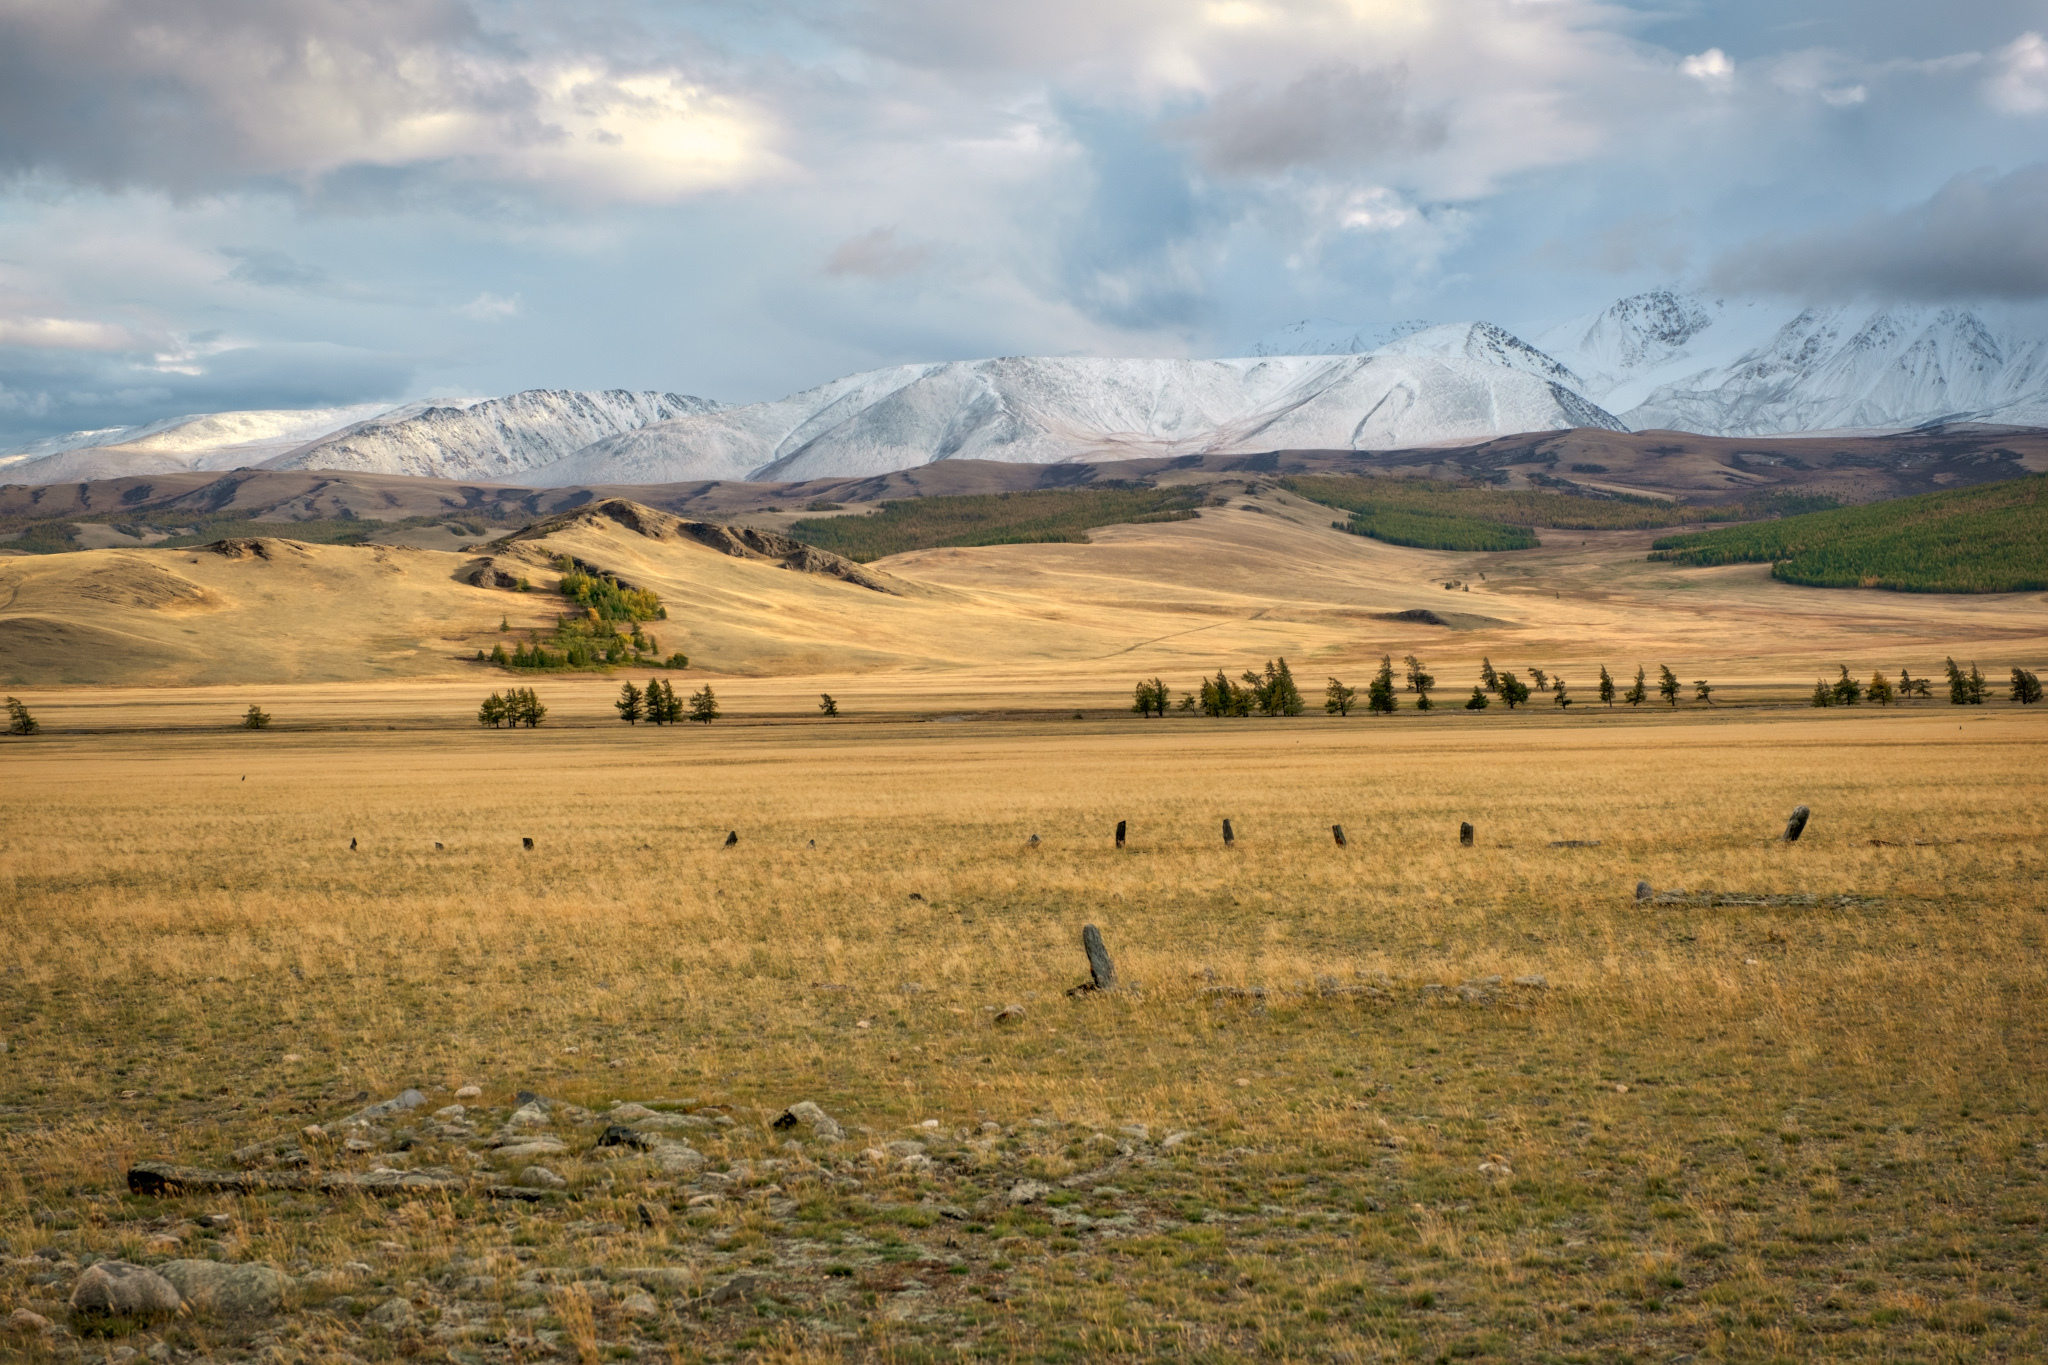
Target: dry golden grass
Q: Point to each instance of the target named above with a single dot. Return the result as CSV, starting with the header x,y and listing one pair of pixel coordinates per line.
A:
x,y
1740,1132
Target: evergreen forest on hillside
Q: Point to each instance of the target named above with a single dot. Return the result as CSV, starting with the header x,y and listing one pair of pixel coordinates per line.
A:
x,y
1065,514
1991,538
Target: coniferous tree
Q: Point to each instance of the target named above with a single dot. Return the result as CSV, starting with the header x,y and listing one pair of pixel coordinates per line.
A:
x,y
2026,688
1542,679
1958,685
1702,690
1285,695
1637,694
1337,698
1478,701
828,706
500,657
528,709
1823,695
1922,688
631,704
1879,689
1976,686
1847,693
1513,690
703,705
1606,686
1488,679
19,721
1667,685
255,718
1906,681
1421,682
1561,698
492,712
1379,694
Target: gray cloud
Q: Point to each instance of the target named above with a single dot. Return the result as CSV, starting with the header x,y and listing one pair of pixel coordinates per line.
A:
x,y
1979,236
269,268
1336,115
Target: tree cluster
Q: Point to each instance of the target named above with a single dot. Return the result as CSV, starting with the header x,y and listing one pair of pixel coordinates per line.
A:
x,y
516,707
1272,693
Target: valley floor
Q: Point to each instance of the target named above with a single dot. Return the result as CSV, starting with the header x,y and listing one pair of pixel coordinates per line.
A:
x,y
1396,1100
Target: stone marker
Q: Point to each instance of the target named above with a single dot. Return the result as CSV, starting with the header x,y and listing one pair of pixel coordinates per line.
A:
x,y
1119,834
437,846
1228,837
351,845
1337,833
1796,826
812,844
117,1289
1465,834
1033,843
731,837
1643,891
1101,972
527,844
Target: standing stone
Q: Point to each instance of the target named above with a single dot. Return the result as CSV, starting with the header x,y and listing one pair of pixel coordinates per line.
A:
x,y
527,844
732,837
1119,834
1337,833
351,845
1796,826
1101,972
1643,892
1465,834
1033,843
1229,838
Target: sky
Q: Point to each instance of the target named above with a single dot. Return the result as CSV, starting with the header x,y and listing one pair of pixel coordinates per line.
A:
x,y
231,204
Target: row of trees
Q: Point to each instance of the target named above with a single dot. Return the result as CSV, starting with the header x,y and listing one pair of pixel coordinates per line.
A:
x,y
1964,689
515,708
659,705
1272,693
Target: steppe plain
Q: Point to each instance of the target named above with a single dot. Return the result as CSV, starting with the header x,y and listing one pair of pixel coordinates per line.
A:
x,y
1401,1099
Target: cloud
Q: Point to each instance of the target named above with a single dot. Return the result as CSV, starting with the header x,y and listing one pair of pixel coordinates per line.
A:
x,y
489,307
268,268
2019,80
878,254
64,334
1978,237
1711,66
196,96
1336,115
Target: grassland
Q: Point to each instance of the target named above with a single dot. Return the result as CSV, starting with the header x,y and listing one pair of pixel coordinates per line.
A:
x,y
1741,1132
1050,516
1434,514
1992,538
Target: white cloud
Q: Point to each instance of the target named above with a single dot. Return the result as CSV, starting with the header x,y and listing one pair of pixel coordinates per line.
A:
x,y
489,307
2019,80
1711,65
65,334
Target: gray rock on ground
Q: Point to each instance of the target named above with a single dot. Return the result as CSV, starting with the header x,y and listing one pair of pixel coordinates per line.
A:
x,y
541,1178
1029,1191
119,1289
227,1290
21,1322
821,1124
403,1102
393,1315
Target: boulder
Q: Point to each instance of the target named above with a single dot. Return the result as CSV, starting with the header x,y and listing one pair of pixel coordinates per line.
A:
x,y
821,1124
223,1290
118,1289
393,1315
541,1178
403,1102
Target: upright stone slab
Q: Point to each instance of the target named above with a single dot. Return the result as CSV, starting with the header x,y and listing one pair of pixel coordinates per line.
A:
x,y
1119,834
1796,826
1229,837
1101,972
526,844
732,837
1337,833
1465,833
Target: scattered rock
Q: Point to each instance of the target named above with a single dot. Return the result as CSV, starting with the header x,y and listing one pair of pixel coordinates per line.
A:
x,y
641,1305
618,1135
1534,982
529,1114
450,1113
403,1102
1029,1191
1575,843
1033,843
1136,1130
738,1289
21,1322
1465,833
822,1125
1643,891
227,1290
1496,1167
118,1289
393,1315
470,1092
541,1178
1010,1014
1796,825
1176,1139
537,1147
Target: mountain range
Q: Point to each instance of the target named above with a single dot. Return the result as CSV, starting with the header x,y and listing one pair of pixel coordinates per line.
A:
x,y
1659,360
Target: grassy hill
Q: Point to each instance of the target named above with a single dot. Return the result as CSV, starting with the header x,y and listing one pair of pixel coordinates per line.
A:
x,y
1433,514
1053,515
1993,538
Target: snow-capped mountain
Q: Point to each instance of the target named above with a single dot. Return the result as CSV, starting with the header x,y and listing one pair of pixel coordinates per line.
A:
x,y
218,440
1042,410
499,439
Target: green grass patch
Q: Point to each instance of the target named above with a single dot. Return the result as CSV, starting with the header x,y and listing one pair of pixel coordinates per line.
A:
x,y
1992,538
1434,514
1050,515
